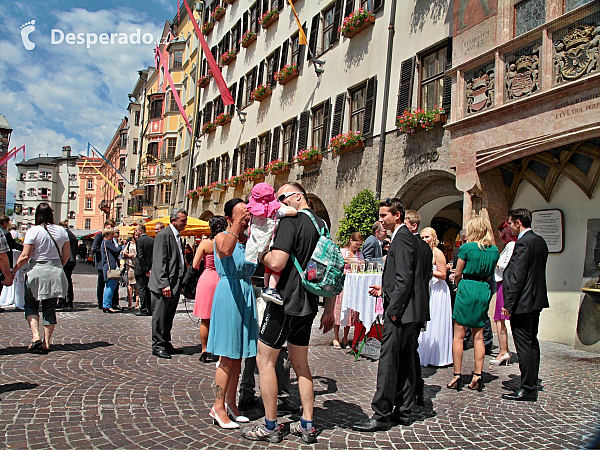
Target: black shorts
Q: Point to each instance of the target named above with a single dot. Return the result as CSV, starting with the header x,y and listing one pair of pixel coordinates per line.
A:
x,y
278,327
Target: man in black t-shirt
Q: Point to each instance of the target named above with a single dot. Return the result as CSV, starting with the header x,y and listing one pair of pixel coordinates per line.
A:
x,y
292,321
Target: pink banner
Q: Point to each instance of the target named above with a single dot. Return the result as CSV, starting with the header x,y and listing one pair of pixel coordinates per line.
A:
x,y
175,94
12,153
214,67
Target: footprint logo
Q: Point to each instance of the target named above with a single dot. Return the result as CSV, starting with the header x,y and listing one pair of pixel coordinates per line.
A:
x,y
26,30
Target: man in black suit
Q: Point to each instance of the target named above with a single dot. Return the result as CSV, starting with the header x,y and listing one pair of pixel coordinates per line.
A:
x,y
525,295
68,268
371,249
97,251
143,266
168,268
405,287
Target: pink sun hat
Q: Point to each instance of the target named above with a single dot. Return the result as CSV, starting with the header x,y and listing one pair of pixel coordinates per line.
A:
x,y
262,200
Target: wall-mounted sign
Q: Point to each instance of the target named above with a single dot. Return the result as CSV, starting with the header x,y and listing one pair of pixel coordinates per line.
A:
x,y
548,223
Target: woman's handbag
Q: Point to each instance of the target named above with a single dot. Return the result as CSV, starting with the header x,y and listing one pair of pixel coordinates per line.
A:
x,y
111,274
190,281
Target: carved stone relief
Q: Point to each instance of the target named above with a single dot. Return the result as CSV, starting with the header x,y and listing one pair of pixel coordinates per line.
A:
x,y
576,54
480,89
522,76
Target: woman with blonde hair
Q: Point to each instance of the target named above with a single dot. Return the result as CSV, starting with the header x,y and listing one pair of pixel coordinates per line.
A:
x,y
435,343
476,263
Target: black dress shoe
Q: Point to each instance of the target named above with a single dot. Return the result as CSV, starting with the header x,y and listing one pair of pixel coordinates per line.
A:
x,y
521,396
174,351
142,313
401,419
371,425
161,354
245,405
489,350
419,400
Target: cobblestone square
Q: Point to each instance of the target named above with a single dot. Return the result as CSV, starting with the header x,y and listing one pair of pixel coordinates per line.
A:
x,y
101,388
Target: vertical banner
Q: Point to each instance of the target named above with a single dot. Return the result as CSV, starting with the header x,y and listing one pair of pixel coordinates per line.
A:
x,y
301,35
175,94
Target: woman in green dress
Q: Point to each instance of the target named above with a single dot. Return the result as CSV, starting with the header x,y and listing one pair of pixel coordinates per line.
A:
x,y
476,262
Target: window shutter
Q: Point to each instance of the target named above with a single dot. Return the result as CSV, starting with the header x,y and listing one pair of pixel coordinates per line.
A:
x,y
314,33
261,69
337,18
238,37
349,8
216,169
284,54
234,162
268,149
265,6
280,5
292,152
251,158
338,114
256,21
227,42
275,143
377,5
240,97
326,123
407,69
302,49
275,66
208,112
233,91
370,106
447,97
303,132
254,78
244,23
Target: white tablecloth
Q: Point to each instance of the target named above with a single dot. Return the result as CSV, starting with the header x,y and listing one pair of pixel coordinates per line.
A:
x,y
356,295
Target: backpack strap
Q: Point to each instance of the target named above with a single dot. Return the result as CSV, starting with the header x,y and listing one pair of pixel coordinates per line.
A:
x,y
322,231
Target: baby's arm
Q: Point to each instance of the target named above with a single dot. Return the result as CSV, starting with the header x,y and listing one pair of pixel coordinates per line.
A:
x,y
288,210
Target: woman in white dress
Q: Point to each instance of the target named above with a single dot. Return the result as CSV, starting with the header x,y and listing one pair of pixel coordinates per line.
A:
x,y
15,293
435,343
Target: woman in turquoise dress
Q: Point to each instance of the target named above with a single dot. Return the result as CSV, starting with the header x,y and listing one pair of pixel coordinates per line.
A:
x,y
476,263
233,330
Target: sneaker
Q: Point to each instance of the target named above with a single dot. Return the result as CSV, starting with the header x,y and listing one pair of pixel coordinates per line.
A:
x,y
271,295
259,432
308,436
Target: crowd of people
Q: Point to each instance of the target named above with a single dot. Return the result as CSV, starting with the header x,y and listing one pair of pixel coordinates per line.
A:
x,y
266,321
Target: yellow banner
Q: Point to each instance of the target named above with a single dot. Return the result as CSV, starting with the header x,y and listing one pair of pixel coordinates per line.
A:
x,y
102,175
301,33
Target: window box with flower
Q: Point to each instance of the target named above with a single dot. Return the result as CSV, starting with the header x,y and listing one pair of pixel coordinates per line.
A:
x,y
254,173
207,28
348,142
223,118
204,80
277,166
192,194
269,18
227,57
420,119
218,13
261,92
236,180
208,127
289,72
217,186
308,156
356,22
248,38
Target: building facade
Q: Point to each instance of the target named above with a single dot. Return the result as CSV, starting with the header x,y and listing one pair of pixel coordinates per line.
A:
x,y
54,180
90,195
5,133
115,160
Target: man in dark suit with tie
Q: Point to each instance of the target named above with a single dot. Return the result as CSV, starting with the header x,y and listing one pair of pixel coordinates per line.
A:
x,y
405,286
371,249
143,265
525,295
168,268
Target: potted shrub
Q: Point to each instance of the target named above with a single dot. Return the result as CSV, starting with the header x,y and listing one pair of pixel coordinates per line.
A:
x,y
248,38
269,18
261,92
208,127
207,28
420,119
227,57
218,13
356,22
308,156
344,143
223,119
289,72
277,166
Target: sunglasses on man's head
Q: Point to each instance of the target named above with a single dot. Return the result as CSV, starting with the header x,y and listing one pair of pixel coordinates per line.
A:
x,y
282,197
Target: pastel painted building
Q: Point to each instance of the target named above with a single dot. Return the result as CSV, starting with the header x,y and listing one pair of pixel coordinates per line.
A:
x,y
90,194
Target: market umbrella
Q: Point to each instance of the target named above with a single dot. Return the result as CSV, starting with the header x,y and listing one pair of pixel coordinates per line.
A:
x,y
195,227
126,229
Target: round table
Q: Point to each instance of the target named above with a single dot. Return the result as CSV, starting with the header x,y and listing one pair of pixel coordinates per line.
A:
x,y
356,296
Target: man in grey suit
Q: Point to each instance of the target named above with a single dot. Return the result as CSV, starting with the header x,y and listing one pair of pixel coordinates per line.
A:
x,y
371,249
168,268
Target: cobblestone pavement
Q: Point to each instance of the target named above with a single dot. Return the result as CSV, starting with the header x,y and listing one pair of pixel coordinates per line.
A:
x,y
101,388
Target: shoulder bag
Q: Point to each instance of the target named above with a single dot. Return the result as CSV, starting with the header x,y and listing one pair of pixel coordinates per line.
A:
x,y
55,244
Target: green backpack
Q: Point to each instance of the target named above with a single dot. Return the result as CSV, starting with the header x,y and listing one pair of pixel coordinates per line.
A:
x,y
324,275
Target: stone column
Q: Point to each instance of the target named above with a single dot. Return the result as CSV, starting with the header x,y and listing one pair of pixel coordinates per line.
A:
x,y
495,202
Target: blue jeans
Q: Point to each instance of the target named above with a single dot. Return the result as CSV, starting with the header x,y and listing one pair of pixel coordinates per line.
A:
x,y
109,290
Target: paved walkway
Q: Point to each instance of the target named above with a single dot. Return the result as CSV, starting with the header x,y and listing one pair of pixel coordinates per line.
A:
x,y
101,388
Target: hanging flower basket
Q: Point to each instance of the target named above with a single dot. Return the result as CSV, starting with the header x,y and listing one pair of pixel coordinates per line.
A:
x,y
289,72
309,156
223,119
277,166
207,28
261,92
420,119
236,180
356,22
227,57
208,127
255,173
218,13
269,18
248,38
344,143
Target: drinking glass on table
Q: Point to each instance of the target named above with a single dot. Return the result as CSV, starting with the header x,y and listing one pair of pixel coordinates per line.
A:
x,y
361,266
354,267
371,268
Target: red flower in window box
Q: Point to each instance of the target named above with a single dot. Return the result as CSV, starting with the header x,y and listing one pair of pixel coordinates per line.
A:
x,y
289,72
223,119
254,173
236,180
248,38
208,127
269,18
277,166
308,156
420,119
207,28
344,143
356,22
227,57
261,92
218,13
204,81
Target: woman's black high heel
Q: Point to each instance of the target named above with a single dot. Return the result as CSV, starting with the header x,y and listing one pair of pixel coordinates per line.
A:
x,y
205,358
478,384
456,384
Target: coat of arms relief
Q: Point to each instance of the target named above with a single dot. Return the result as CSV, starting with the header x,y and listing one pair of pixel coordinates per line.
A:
x,y
576,54
522,75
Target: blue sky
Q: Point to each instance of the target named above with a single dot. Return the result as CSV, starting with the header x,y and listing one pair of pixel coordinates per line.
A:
x,y
62,94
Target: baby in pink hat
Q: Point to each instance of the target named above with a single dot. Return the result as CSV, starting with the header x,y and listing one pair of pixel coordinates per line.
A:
x,y
266,212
